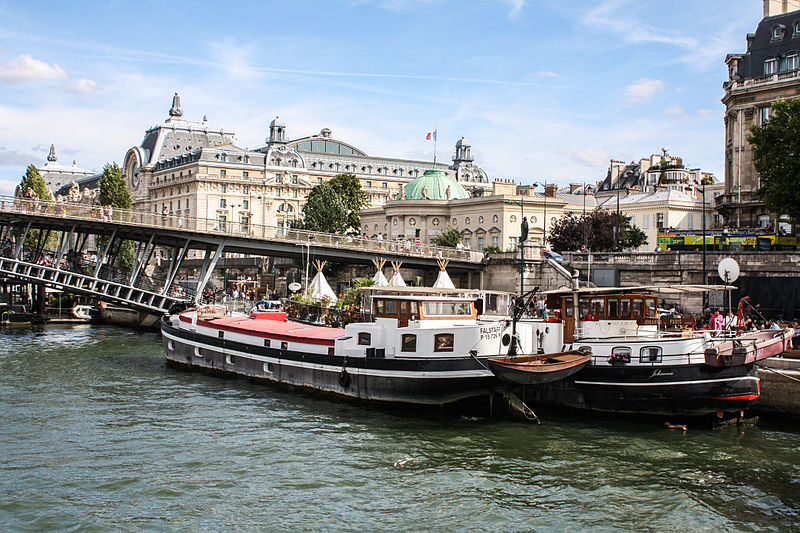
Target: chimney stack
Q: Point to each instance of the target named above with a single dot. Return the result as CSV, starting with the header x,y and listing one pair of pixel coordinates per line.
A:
x,y
779,7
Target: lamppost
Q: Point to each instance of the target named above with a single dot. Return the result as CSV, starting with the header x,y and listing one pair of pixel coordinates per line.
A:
x,y
544,222
705,273
617,236
523,235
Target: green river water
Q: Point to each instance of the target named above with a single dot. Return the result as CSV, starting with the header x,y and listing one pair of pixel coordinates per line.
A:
x,y
97,434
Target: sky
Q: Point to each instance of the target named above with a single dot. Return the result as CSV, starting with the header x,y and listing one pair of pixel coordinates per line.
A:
x,y
544,91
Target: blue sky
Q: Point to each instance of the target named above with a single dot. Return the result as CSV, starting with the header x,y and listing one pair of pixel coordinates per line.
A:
x,y
543,90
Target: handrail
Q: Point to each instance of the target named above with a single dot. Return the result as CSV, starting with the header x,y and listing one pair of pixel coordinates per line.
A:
x,y
77,211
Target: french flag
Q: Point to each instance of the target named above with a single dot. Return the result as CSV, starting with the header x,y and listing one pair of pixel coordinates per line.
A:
x,y
431,136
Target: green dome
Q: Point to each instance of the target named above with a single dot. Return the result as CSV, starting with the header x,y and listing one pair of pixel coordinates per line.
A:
x,y
434,183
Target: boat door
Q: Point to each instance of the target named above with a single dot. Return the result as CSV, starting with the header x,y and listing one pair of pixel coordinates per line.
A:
x,y
568,319
404,313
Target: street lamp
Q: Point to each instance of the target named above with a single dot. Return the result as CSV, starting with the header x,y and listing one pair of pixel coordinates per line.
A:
x,y
544,222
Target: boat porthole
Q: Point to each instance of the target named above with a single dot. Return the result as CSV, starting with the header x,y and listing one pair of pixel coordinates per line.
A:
x,y
547,329
506,339
170,346
268,368
197,352
228,360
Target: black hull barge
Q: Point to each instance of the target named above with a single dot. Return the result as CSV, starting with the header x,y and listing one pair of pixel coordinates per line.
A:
x,y
433,355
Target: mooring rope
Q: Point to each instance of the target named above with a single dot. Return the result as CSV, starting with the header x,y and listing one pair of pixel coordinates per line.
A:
x,y
777,372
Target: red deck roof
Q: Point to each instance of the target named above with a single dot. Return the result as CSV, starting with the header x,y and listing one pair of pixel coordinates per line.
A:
x,y
273,329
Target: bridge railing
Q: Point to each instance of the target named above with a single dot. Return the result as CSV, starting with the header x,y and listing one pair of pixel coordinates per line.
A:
x,y
76,211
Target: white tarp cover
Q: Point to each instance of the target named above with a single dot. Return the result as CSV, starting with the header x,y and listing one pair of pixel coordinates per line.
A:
x,y
319,288
380,280
397,280
443,281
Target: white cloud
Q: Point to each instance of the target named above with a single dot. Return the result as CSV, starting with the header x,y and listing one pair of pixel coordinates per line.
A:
x,y
8,187
547,74
705,113
593,157
516,8
25,68
81,86
15,157
676,111
644,89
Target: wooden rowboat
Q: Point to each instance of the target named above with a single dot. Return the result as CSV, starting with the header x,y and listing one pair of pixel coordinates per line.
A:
x,y
539,369
749,348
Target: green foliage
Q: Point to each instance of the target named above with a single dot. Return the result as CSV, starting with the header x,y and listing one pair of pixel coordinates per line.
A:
x,y
352,297
113,190
448,238
324,210
493,249
776,154
334,205
599,227
35,182
33,187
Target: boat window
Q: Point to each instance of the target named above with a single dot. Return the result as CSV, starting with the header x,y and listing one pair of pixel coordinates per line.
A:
x,y
650,354
364,338
650,307
623,352
386,307
284,345
568,306
613,308
403,308
597,308
625,308
638,308
447,308
583,308
409,343
443,342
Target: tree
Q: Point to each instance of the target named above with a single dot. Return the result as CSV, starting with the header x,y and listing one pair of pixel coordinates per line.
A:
x,y
34,182
448,238
324,210
599,229
33,187
113,190
354,198
334,205
776,154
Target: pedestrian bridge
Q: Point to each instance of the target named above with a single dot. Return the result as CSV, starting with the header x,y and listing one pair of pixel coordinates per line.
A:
x,y
27,226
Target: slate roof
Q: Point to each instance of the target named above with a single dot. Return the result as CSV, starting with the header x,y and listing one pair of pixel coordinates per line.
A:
x,y
762,46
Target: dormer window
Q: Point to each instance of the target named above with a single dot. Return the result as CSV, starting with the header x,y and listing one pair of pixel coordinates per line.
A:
x,y
796,29
778,31
770,66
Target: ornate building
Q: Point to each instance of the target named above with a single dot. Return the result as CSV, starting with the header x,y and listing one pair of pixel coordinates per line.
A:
x,y
435,201
61,178
191,169
767,71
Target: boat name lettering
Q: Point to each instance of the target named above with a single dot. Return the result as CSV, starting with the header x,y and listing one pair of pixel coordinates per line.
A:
x,y
657,373
491,332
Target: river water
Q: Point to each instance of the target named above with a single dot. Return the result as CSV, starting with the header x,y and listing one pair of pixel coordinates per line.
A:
x,y
97,434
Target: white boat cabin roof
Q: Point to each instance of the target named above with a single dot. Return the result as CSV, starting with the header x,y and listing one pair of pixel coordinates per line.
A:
x,y
640,289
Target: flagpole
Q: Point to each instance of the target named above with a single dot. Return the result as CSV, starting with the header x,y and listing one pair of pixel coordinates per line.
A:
x,y
435,135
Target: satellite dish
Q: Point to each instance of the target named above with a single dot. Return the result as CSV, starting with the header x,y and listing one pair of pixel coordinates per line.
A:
x,y
294,287
728,270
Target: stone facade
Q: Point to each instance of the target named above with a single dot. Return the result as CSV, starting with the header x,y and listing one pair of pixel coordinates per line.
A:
x,y
767,71
491,220
192,169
